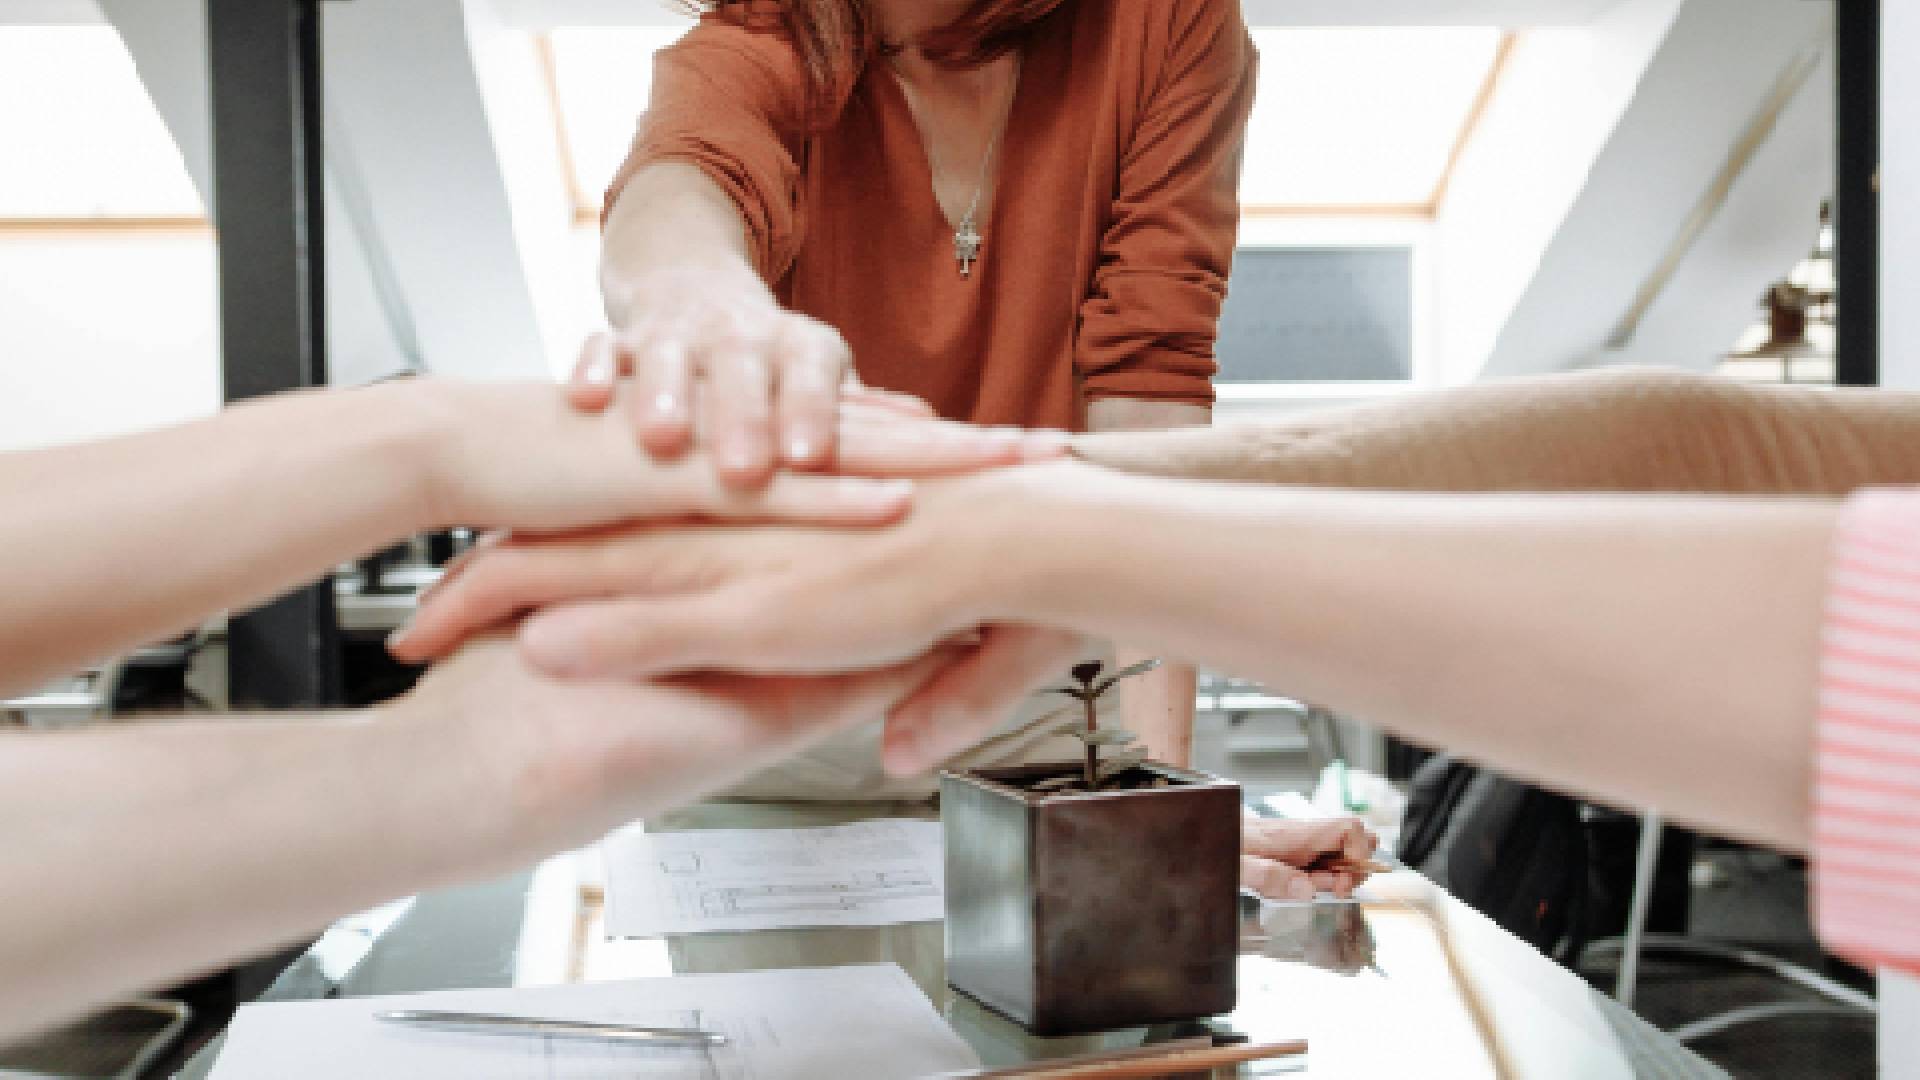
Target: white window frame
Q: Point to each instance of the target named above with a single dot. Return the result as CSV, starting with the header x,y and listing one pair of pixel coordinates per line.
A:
x,y
1289,231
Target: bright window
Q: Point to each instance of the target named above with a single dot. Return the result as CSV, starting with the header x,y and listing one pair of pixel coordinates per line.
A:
x,y
602,76
1345,117
82,138
1361,116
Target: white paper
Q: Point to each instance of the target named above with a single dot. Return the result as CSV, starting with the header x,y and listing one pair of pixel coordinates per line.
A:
x,y
868,1021
869,873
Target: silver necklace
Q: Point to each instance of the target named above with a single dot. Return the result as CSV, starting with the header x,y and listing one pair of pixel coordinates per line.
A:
x,y
966,234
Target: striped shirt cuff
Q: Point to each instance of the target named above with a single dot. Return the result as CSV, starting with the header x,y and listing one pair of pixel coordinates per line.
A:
x,y
1866,797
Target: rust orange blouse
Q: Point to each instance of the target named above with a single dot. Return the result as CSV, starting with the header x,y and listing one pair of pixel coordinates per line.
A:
x,y
1106,248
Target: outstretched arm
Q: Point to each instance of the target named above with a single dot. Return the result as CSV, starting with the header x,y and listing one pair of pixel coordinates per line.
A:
x,y
117,543
1625,429
121,542
116,879
1654,651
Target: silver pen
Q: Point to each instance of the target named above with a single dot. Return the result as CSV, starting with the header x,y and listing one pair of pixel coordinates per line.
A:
x,y
492,1024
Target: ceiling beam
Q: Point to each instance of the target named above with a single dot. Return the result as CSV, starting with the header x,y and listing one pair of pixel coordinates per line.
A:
x,y
430,185
1737,103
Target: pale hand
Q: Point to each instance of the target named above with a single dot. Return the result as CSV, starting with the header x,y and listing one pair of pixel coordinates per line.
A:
x,y
515,455
555,763
1275,854
640,601
716,362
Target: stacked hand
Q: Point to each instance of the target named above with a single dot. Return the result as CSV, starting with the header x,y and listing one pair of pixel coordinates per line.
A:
x,y
580,754
815,596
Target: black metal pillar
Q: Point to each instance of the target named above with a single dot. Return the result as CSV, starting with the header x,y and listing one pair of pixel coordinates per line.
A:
x,y
1856,195
264,66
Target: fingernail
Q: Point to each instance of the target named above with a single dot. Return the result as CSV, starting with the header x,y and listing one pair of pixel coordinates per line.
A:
x,y
599,371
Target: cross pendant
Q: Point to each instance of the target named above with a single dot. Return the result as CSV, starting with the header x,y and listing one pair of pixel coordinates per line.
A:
x,y
966,247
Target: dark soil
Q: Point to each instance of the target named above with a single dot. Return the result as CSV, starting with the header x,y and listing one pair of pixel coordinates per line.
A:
x,y
1135,779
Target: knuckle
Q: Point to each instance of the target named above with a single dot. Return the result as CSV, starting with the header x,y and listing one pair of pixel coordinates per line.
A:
x,y
607,637
662,356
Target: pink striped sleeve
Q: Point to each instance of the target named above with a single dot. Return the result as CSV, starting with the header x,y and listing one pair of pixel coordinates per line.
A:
x,y
1866,797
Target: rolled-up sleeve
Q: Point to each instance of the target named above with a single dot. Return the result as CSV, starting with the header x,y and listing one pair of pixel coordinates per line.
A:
x,y
1866,797
729,100
1147,326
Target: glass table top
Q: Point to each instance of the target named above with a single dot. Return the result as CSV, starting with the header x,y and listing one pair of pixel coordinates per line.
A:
x,y
1376,987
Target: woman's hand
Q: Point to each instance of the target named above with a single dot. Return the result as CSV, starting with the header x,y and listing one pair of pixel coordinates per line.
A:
x,y
536,763
638,601
1297,860
516,456
633,602
728,368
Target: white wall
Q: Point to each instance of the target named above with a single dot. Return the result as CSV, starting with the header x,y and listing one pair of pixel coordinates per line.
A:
x,y
1900,197
104,333
404,97
1900,366
108,332
1563,94
1710,81
1767,224
516,99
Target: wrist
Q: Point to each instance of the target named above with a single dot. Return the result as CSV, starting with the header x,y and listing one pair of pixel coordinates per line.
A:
x,y
440,417
406,426
452,777
1024,543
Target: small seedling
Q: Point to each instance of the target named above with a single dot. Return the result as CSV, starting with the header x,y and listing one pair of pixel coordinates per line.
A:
x,y
1092,687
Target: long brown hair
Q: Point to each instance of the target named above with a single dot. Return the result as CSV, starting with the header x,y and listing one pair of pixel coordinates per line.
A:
x,y
836,38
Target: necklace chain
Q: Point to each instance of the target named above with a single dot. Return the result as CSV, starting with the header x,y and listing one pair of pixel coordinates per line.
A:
x,y
966,234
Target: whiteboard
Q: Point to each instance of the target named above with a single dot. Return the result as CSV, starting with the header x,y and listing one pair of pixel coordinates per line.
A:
x,y
1318,314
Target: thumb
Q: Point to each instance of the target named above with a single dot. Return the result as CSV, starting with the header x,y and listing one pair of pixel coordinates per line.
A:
x,y
971,694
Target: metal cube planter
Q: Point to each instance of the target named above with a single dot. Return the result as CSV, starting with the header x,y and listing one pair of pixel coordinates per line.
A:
x,y
1086,911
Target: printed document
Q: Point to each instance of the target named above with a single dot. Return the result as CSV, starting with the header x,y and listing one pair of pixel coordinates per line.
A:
x,y
869,873
868,1021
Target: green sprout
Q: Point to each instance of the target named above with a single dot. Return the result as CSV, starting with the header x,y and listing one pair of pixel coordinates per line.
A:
x,y
1092,736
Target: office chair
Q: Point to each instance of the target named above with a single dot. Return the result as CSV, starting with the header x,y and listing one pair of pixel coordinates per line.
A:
x,y
1637,944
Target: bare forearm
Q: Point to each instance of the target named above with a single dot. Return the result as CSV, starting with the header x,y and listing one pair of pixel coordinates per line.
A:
x,y
1619,430
1157,706
117,543
670,215
1653,652
196,844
